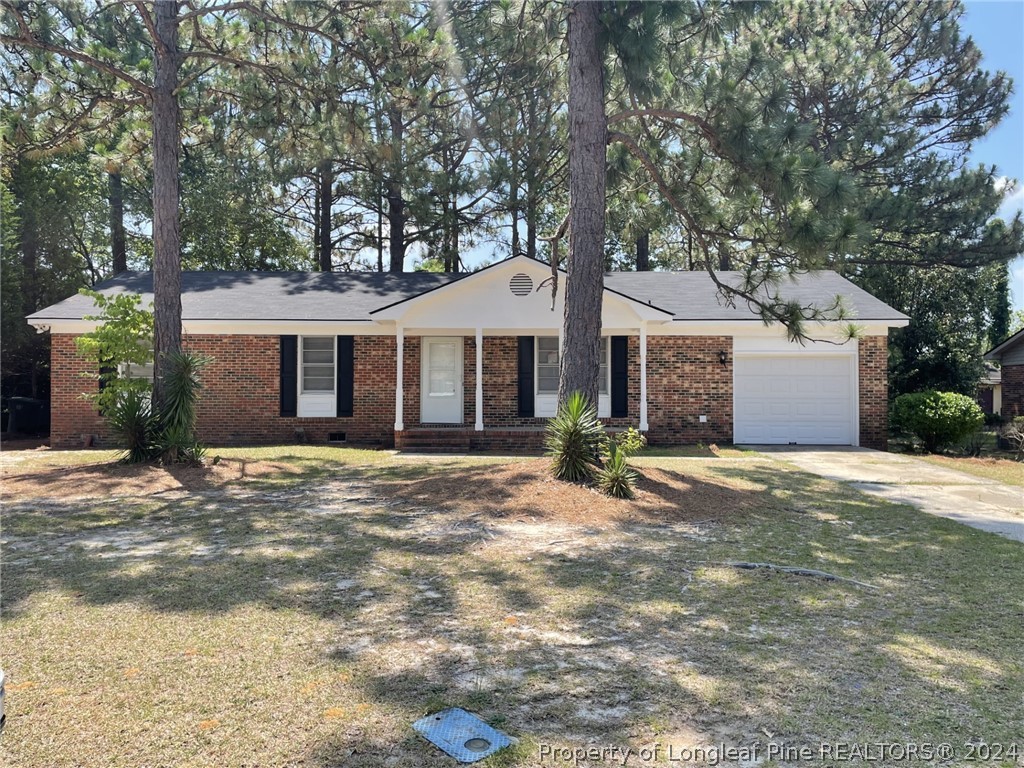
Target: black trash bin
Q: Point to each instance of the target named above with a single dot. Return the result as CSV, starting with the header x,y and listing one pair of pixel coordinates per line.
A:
x,y
28,416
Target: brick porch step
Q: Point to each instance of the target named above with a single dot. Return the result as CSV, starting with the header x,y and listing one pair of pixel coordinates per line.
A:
x,y
434,440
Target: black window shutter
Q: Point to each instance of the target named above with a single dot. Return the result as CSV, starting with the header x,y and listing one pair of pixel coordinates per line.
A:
x,y
620,376
106,368
526,376
346,374
289,374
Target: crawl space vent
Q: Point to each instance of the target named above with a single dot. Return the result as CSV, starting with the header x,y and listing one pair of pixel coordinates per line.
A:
x,y
336,437
520,284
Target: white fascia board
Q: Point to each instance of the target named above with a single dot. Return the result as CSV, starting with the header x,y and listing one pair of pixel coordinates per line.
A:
x,y
242,327
755,327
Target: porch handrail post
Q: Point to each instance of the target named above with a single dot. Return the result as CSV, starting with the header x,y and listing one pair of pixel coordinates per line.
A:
x,y
479,426
399,377
643,376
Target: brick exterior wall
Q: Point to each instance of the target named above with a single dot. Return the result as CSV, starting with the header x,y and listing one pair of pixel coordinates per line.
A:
x,y
873,374
686,380
1013,391
74,422
240,400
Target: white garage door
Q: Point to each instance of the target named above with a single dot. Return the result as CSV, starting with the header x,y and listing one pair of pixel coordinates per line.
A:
x,y
803,400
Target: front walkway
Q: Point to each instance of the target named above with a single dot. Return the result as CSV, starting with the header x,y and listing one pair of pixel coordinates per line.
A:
x,y
973,501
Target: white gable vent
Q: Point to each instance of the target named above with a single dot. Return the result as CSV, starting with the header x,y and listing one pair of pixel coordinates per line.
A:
x,y
520,285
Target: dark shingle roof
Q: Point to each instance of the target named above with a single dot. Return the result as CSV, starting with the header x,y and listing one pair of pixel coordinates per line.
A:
x,y
266,295
693,295
351,296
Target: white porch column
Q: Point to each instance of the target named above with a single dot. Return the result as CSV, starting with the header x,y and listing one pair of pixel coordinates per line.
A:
x,y
643,376
479,426
399,376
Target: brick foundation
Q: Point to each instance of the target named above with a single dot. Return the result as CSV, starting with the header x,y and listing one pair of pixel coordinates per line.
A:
x,y
1013,391
873,373
240,399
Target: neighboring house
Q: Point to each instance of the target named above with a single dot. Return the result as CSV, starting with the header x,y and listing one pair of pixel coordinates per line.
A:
x,y
990,389
471,361
1010,356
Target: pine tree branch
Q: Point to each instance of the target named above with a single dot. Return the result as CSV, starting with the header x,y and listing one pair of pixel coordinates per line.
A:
x,y
28,39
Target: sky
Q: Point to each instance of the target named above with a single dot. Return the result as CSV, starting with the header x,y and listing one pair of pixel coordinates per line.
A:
x,y
997,27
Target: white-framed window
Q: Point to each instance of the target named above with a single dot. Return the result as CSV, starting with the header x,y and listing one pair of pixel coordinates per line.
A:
x,y
136,371
547,360
316,364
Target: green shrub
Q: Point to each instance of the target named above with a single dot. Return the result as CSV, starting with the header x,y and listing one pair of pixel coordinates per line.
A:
x,y
131,419
616,477
574,440
631,441
937,419
181,386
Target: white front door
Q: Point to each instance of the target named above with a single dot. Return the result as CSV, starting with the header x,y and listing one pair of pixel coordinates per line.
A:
x,y
441,380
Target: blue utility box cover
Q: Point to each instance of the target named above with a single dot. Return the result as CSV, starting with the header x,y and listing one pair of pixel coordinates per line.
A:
x,y
462,735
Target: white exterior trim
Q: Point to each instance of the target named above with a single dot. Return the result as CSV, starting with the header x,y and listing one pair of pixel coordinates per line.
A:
x,y
752,327
478,424
399,384
644,426
311,405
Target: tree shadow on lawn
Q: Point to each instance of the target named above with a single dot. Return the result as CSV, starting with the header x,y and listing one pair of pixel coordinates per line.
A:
x,y
110,478
622,630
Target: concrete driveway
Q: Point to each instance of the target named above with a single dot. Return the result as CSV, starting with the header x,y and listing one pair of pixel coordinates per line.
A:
x,y
970,500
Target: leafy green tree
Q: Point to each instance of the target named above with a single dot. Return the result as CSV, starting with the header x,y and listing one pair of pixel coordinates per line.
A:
x,y
949,310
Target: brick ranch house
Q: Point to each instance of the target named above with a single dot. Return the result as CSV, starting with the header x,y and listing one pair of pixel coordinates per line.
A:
x,y
1010,356
471,361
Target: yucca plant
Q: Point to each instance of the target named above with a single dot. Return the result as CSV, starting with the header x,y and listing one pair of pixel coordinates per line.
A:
x,y
181,386
616,477
574,439
131,419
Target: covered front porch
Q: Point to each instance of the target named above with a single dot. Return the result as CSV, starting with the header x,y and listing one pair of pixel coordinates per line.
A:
x,y
495,389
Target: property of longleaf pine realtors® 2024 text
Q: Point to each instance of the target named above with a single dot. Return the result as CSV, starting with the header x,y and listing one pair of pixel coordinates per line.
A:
x,y
842,752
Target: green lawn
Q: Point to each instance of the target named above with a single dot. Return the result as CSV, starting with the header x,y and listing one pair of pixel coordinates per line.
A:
x,y
1002,470
301,608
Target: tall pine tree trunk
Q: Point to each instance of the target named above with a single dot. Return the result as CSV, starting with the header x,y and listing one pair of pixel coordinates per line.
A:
x,y
396,205
166,215
325,201
588,137
513,200
115,198
643,252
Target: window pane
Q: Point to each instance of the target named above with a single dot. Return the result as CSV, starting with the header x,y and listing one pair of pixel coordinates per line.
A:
x,y
319,343
442,383
547,384
547,350
313,384
313,356
319,371
602,385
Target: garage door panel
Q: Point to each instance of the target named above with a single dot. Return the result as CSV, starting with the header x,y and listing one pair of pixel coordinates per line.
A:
x,y
794,399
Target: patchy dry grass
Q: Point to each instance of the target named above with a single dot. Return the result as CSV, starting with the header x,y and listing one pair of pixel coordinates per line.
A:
x,y
305,612
1001,470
